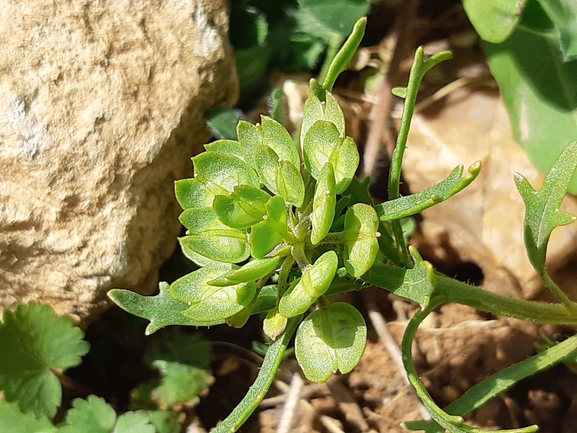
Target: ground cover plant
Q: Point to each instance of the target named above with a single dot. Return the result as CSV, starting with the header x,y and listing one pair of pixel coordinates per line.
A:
x,y
281,227
41,345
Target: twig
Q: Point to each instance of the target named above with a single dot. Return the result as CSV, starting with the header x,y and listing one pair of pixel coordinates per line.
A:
x,y
290,404
331,424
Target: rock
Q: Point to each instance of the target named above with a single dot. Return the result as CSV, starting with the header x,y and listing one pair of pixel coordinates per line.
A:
x,y
101,108
484,223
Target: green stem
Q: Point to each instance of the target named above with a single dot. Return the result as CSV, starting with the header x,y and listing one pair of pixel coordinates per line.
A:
x,y
558,293
332,50
416,75
451,423
266,375
450,290
342,59
283,275
504,379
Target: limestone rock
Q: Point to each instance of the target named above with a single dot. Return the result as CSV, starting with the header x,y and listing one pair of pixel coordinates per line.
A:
x,y
484,223
101,108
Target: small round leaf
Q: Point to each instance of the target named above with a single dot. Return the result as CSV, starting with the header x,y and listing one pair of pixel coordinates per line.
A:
x,y
278,139
345,161
319,144
274,324
252,271
329,340
209,303
267,162
290,184
267,234
361,248
232,147
314,282
224,170
192,193
324,202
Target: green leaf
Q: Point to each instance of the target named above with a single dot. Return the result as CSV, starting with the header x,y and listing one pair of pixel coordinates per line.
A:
x,y
290,184
274,324
165,421
312,112
94,415
539,91
329,340
542,207
323,143
345,160
338,16
209,237
362,246
313,283
324,202
250,272
34,342
275,136
267,162
224,170
190,349
161,310
14,421
134,422
267,234
245,207
416,284
333,113
413,204
230,212
494,20
249,137
210,303
234,148
222,122
315,110
319,143
563,14
191,193
180,383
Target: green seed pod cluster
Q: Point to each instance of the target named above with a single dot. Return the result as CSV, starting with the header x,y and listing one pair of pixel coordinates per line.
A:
x,y
268,209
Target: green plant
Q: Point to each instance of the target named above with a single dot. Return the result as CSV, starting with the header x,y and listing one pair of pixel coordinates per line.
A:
x,y
279,226
38,346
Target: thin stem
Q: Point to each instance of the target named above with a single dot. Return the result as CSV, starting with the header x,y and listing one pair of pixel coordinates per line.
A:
x,y
266,375
298,253
343,58
416,75
558,293
478,395
450,290
452,423
285,268
332,50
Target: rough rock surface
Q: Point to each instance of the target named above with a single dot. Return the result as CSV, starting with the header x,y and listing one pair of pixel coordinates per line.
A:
x,y
101,107
484,223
